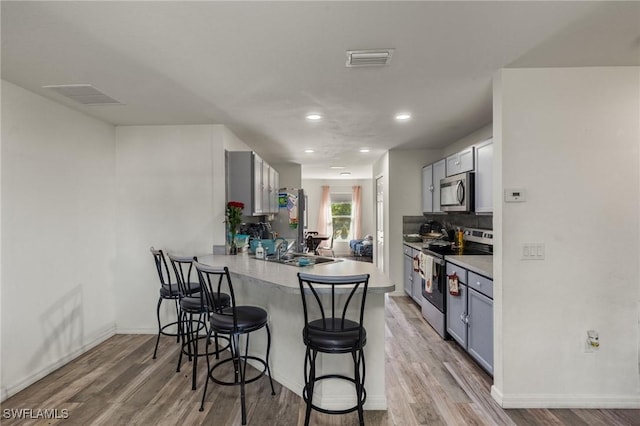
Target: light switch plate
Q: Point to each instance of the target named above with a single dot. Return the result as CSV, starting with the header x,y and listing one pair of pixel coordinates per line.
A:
x,y
532,251
515,195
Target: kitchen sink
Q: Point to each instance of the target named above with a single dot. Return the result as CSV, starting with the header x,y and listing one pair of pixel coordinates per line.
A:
x,y
302,259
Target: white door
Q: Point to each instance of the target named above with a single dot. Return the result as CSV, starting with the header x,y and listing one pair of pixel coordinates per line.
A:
x,y
380,223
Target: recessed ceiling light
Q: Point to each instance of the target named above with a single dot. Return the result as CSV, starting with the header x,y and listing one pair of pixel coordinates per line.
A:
x,y
403,116
314,117
309,151
336,167
345,173
364,149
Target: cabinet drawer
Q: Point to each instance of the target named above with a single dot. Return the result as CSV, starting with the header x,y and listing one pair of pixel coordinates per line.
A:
x,y
408,250
480,284
460,271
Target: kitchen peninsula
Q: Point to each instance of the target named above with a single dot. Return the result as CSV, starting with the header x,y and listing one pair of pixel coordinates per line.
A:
x,y
274,287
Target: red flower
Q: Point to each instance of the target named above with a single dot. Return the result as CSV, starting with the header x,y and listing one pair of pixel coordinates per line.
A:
x,y
237,204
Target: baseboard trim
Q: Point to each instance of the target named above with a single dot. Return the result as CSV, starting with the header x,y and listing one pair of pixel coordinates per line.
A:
x,y
137,330
93,341
565,401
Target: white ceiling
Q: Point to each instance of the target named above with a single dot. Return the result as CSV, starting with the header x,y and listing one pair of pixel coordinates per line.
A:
x,y
260,67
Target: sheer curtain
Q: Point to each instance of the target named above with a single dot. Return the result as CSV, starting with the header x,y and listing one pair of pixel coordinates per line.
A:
x,y
356,199
324,214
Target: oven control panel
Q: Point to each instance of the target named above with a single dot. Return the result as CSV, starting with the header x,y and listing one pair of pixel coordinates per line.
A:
x,y
482,236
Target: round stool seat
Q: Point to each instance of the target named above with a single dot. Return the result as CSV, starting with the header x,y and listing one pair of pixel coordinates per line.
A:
x,y
334,336
248,318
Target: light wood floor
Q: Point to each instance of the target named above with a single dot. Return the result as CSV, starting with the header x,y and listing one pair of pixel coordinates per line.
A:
x,y
429,382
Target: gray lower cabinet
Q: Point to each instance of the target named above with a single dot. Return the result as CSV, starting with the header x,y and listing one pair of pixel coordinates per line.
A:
x,y
470,315
457,316
408,270
412,280
480,337
416,284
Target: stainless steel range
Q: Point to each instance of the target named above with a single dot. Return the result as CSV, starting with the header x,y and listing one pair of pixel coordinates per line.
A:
x,y
476,242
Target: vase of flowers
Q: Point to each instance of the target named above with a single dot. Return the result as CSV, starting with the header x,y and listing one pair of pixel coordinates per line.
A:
x,y
234,218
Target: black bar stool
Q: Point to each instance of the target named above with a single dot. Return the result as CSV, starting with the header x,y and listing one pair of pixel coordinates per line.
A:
x,y
233,321
331,327
168,291
195,310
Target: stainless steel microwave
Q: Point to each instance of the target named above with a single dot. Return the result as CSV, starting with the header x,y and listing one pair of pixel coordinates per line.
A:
x,y
456,193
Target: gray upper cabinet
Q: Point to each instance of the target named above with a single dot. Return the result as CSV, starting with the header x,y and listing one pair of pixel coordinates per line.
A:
x,y
461,162
484,177
253,182
431,176
427,188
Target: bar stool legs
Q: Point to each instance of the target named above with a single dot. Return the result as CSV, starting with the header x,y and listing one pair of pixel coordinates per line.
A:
x,y
161,328
239,360
310,380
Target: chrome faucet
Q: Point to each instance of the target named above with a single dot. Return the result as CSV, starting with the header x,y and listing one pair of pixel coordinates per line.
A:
x,y
281,251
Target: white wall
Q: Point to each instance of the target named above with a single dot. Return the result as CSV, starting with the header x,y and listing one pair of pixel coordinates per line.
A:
x,y
405,199
480,135
381,173
171,195
313,190
570,138
290,175
58,244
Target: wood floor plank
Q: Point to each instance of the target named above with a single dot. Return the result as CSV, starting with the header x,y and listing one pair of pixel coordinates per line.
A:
x,y
430,381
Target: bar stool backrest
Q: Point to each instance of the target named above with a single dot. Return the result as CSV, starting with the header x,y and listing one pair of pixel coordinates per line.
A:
x,y
329,298
163,271
183,268
213,280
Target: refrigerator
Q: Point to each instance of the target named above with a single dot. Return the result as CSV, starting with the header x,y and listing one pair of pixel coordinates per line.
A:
x,y
291,220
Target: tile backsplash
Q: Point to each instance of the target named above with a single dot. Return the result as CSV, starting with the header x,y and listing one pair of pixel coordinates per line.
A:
x,y
411,224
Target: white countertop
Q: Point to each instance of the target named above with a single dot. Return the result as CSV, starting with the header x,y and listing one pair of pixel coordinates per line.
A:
x,y
482,265
284,277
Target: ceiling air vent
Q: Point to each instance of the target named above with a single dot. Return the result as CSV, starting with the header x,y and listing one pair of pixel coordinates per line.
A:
x,y
369,58
85,94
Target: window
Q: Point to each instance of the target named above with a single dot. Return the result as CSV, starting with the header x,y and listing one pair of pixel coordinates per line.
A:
x,y
341,207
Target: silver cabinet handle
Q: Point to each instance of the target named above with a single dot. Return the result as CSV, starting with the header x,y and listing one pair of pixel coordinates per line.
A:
x,y
479,284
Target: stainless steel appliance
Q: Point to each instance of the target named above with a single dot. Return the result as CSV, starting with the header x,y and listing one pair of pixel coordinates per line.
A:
x,y
476,242
290,222
456,193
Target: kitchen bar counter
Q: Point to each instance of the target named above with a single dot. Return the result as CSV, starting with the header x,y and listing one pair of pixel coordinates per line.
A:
x,y
284,277
274,287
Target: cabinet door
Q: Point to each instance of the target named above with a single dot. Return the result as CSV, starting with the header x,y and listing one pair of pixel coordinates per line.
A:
x,y
453,165
484,177
439,172
480,338
428,188
257,185
460,162
416,284
408,274
466,160
457,316
274,179
266,188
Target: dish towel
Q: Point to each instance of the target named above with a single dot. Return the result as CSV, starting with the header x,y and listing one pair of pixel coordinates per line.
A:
x,y
454,288
416,263
426,271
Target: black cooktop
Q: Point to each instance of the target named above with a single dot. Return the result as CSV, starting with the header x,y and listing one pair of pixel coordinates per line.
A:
x,y
467,250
